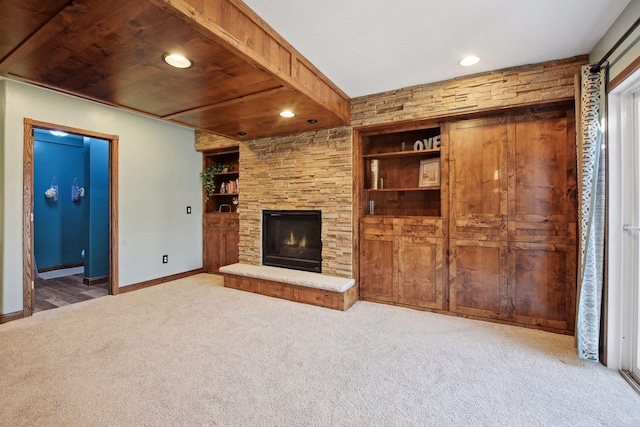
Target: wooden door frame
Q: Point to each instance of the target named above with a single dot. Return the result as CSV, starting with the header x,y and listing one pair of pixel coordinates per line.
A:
x,y
27,207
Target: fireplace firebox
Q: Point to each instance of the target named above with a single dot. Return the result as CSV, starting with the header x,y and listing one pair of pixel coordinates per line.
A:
x,y
292,239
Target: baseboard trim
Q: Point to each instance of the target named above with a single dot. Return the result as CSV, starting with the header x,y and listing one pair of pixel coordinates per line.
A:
x,y
158,281
60,267
92,281
4,318
630,379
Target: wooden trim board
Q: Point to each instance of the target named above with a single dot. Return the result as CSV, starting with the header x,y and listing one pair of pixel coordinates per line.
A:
x,y
92,281
319,297
60,267
159,280
4,318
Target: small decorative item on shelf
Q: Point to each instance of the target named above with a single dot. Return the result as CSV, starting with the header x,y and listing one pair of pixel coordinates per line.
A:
x,y
52,191
431,143
429,173
235,202
374,174
418,145
436,141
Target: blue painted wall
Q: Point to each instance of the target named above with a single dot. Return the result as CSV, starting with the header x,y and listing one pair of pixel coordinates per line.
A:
x,y
58,226
96,208
63,229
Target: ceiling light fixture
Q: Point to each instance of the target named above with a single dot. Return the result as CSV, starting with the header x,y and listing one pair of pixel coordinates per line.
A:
x,y
469,60
242,133
58,133
176,60
287,114
312,121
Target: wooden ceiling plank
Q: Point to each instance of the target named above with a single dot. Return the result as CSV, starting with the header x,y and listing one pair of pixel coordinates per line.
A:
x,y
30,44
232,22
227,103
110,52
257,116
22,19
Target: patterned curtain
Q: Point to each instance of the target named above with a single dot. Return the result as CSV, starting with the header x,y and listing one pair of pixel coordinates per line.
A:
x,y
591,215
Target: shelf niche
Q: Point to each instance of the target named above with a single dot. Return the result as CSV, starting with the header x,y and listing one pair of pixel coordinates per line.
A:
x,y
226,157
398,191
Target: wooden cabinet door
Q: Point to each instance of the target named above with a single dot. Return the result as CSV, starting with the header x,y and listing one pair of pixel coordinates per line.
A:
x,y
542,197
220,241
420,270
230,238
542,284
478,179
377,275
478,278
209,248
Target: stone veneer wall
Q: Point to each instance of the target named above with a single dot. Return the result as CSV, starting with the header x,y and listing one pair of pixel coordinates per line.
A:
x,y
510,87
311,171
305,171
314,170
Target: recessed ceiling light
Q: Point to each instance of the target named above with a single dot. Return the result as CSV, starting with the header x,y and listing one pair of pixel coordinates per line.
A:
x,y
469,60
242,133
287,113
58,133
177,60
312,121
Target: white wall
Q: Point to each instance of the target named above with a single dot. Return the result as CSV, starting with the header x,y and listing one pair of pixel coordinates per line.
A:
x,y
158,174
628,50
2,168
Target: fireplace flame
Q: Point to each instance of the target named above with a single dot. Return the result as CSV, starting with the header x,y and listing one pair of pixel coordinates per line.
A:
x,y
291,240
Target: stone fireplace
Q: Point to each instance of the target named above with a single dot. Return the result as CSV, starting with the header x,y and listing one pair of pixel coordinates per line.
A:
x,y
311,171
292,239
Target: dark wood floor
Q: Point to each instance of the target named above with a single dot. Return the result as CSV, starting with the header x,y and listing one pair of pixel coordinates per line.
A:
x,y
54,293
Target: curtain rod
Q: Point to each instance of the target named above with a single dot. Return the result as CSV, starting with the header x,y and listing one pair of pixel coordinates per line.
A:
x,y
596,68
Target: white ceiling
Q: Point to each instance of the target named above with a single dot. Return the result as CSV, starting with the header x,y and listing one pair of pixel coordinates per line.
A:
x,y
371,46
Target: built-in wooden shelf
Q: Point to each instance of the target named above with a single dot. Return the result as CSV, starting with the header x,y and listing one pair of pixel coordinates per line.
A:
x,y
400,154
382,190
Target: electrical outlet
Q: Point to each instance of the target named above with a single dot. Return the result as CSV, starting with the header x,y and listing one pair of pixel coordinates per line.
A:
x,y
165,259
188,210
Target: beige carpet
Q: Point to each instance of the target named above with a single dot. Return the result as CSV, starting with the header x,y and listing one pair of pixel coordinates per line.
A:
x,y
192,353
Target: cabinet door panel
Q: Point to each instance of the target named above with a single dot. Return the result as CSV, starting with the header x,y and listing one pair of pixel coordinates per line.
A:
x,y
231,238
210,254
379,225
478,278
420,272
429,227
542,284
377,259
543,187
478,179
220,241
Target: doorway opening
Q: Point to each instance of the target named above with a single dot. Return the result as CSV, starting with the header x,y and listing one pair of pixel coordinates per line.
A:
x,y
623,294
69,215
